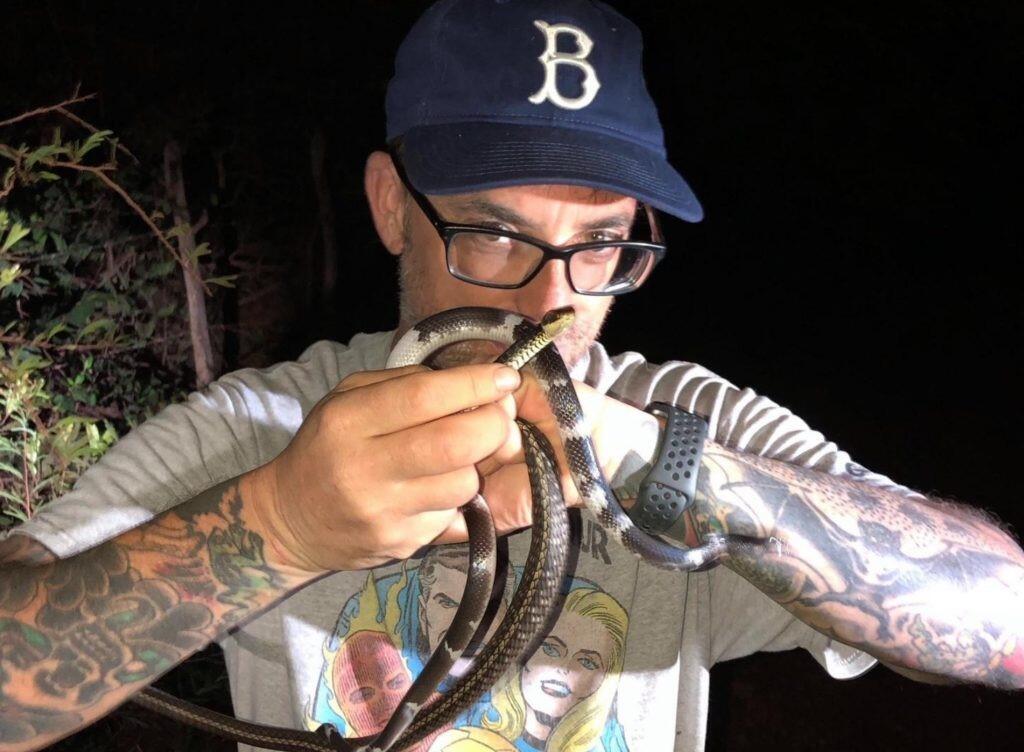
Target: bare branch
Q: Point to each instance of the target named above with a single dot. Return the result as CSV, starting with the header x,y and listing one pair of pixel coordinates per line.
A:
x,y
75,119
99,173
104,347
201,223
8,185
199,330
43,110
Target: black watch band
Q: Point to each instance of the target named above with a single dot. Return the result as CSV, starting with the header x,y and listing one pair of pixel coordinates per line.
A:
x,y
669,488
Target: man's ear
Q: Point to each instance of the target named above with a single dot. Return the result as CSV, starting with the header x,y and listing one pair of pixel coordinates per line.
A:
x,y
386,196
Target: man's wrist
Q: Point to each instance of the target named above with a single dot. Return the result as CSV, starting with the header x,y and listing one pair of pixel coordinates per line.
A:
x,y
668,490
638,461
258,489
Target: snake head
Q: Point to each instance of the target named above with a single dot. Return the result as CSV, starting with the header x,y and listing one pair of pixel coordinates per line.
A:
x,y
557,321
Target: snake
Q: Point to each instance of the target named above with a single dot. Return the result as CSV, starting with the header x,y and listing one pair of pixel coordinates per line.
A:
x,y
422,711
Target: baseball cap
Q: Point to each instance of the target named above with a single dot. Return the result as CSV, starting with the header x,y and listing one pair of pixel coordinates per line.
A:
x,y
493,93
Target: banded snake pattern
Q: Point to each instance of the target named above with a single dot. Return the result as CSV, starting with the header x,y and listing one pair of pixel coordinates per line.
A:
x,y
530,347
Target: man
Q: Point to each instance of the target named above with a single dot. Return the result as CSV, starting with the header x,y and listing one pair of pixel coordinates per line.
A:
x,y
527,118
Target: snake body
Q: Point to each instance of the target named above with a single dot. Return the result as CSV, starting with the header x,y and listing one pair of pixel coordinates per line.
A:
x,y
550,371
530,610
530,607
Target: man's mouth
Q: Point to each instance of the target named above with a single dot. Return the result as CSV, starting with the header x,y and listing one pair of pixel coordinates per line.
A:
x,y
555,688
493,349
469,351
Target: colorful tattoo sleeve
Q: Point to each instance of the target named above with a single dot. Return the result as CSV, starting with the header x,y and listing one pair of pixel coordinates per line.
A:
x,y
79,636
921,583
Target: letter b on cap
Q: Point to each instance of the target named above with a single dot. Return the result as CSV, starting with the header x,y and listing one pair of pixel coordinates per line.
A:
x,y
552,58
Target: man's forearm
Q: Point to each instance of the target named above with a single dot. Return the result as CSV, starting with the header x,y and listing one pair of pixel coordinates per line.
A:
x,y
928,585
81,635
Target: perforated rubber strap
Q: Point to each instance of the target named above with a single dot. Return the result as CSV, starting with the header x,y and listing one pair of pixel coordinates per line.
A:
x,y
669,488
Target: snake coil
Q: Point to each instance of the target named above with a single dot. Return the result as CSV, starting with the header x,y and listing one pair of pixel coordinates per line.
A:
x,y
530,610
459,324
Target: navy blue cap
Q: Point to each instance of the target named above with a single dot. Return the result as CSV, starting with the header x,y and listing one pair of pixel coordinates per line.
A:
x,y
492,93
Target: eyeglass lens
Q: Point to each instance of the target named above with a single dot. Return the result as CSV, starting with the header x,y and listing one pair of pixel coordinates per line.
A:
x,y
500,260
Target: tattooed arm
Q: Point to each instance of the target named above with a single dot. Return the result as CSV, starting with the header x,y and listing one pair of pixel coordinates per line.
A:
x,y
79,636
926,586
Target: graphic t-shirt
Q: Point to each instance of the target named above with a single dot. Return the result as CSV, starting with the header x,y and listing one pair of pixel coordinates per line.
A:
x,y
624,667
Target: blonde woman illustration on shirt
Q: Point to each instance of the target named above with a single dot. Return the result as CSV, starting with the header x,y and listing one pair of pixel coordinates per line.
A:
x,y
562,699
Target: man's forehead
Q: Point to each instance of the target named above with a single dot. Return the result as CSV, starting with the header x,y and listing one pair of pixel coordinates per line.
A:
x,y
531,206
582,195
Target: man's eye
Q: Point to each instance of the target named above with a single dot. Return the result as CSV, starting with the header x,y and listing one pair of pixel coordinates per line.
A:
x,y
490,224
604,236
600,255
482,242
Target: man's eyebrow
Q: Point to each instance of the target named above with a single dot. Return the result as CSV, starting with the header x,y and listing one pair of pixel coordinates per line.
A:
x,y
611,222
490,210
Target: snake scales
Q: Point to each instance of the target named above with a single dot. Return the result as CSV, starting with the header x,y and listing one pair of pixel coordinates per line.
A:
x,y
531,605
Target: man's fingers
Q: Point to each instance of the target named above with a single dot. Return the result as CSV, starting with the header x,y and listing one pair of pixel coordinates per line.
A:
x,y
443,445
366,378
507,493
456,532
437,493
395,404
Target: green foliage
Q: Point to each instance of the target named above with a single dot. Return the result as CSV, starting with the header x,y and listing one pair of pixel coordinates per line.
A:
x,y
41,453
92,336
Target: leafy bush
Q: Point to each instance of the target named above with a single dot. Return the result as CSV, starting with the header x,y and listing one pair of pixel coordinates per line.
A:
x,y
93,339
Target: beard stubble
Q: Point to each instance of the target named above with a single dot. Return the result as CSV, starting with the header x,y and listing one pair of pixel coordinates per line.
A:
x,y
413,307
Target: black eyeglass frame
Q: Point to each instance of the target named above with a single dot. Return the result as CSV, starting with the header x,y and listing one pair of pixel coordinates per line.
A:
x,y
448,230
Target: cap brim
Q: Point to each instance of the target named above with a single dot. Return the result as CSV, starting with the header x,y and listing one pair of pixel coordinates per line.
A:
x,y
462,157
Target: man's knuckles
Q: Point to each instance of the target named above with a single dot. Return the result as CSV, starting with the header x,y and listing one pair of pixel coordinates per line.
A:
x,y
508,495
465,485
339,419
452,442
360,379
439,392
422,396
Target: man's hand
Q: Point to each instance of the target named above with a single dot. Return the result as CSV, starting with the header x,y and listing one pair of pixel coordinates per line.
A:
x,y
381,465
617,429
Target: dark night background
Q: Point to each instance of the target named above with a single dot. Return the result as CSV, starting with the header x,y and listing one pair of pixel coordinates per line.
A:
x,y
855,264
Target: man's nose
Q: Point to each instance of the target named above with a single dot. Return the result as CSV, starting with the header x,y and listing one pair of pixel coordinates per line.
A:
x,y
548,290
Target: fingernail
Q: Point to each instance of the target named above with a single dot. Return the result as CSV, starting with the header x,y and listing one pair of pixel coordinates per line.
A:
x,y
506,379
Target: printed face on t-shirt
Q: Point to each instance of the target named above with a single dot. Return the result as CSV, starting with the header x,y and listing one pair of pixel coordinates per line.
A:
x,y
569,665
440,599
370,681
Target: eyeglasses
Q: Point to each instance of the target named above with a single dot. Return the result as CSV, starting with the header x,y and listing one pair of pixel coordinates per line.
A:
x,y
507,260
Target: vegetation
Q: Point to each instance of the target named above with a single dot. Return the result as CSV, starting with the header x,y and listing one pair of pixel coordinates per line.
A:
x,y
91,325
94,336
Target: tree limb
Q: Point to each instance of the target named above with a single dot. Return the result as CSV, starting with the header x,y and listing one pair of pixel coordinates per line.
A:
x,y
199,330
43,110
